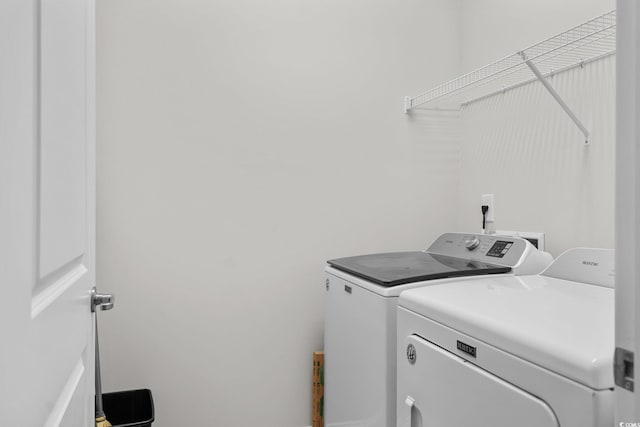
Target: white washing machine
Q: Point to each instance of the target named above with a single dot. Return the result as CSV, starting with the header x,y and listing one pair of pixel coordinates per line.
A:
x,y
526,351
360,315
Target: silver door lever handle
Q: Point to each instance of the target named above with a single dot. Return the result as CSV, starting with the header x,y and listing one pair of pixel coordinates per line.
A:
x,y
104,301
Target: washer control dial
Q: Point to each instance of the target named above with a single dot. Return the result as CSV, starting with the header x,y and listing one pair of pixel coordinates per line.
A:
x,y
472,243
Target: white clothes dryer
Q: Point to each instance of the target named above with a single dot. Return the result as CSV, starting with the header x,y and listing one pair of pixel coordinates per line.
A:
x,y
360,315
526,351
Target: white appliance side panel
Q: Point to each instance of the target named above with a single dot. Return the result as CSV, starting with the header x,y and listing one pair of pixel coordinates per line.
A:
x,y
359,340
446,390
574,404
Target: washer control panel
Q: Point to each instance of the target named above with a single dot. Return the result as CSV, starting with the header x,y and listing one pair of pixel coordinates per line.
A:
x,y
472,243
500,248
493,249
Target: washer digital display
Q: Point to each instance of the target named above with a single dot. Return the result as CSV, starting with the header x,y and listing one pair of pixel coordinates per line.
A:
x,y
499,248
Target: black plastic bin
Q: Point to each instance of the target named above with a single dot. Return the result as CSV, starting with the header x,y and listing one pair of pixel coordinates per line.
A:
x,y
130,408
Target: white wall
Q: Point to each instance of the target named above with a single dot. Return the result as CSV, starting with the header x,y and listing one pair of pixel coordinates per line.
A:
x,y
241,143
522,147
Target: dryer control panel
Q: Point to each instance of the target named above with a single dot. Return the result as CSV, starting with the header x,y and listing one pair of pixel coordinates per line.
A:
x,y
494,249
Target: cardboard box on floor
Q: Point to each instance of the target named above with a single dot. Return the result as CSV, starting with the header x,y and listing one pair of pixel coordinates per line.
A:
x,y
317,401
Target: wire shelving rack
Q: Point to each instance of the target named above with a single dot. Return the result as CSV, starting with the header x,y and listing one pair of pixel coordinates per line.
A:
x,y
582,44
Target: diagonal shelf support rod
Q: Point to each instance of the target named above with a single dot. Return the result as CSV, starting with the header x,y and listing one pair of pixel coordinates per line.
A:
x,y
556,96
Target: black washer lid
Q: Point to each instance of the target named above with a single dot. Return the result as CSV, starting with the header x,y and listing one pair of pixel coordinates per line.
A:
x,y
398,268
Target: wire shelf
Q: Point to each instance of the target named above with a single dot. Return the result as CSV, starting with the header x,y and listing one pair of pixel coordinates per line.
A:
x,y
590,41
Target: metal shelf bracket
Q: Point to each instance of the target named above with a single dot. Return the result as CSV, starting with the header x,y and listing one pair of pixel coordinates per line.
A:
x,y
407,104
555,95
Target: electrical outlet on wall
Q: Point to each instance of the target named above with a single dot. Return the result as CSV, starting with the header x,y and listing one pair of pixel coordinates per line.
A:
x,y
487,200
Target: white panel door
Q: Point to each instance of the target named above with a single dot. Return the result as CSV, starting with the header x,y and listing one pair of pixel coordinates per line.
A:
x,y
47,214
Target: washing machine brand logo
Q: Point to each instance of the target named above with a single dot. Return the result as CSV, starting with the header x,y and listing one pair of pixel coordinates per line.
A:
x,y
629,424
411,354
466,348
593,264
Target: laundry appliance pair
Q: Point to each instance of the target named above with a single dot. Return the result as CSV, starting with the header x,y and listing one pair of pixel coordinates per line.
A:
x,y
361,310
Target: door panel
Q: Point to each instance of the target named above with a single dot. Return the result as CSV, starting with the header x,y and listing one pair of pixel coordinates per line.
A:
x,y
47,214
63,134
67,409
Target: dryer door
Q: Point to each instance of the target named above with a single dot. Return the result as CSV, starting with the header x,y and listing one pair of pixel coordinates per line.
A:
x,y
442,389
